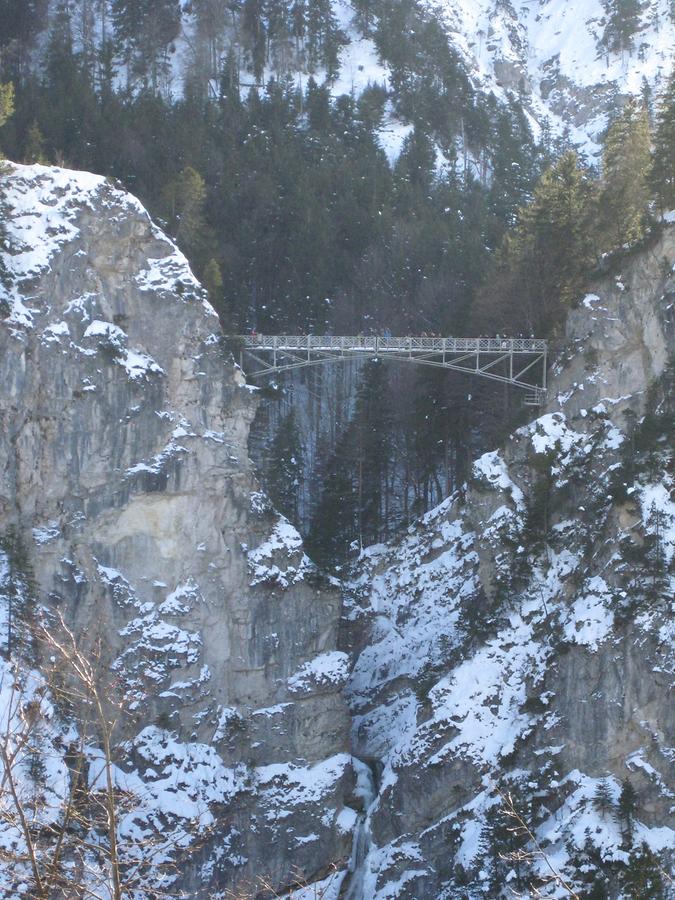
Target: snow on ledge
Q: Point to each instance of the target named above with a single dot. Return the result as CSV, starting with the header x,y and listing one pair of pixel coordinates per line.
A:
x,y
44,203
280,559
138,364
299,785
590,620
492,468
327,670
551,431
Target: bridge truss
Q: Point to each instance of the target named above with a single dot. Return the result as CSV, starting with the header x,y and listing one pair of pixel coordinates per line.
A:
x,y
521,362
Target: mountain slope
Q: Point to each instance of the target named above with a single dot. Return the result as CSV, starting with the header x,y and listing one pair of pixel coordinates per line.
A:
x,y
569,63
560,56
518,641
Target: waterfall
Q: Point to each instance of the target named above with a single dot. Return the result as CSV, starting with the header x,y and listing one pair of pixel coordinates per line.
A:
x,y
366,788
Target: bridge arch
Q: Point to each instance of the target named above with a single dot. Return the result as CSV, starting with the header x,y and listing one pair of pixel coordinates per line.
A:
x,y
521,362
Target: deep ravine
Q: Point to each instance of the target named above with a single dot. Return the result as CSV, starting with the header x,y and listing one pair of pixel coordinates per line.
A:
x,y
518,637
518,640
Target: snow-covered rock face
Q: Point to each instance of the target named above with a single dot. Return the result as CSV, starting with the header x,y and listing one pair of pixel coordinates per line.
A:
x,y
124,471
513,640
552,53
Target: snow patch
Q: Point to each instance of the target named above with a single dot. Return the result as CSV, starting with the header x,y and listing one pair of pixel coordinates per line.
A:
x,y
590,620
327,670
280,559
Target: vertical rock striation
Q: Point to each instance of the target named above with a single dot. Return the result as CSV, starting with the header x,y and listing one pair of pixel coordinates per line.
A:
x,y
124,472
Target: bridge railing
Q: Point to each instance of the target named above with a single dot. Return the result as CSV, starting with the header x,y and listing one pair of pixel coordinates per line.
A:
x,y
381,344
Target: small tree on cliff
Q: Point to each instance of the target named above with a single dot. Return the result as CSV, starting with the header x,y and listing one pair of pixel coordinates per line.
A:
x,y
184,198
6,110
643,876
6,102
626,811
17,590
602,798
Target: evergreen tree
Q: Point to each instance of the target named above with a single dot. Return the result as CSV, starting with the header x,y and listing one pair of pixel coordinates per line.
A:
x,y
623,21
427,430
212,279
6,102
144,30
662,174
184,197
371,431
602,798
278,16
371,105
501,845
642,876
69,118
653,549
514,166
298,22
255,31
589,868
17,588
34,146
6,110
22,21
229,93
211,19
323,35
536,528
335,519
625,170
542,264
416,164
626,811
556,236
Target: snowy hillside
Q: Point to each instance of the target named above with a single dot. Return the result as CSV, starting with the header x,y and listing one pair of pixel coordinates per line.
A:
x,y
516,646
551,52
554,54
559,57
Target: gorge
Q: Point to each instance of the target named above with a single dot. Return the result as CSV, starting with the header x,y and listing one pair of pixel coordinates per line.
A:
x,y
356,735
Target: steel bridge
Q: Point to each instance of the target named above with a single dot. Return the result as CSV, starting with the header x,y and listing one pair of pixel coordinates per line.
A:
x,y
521,362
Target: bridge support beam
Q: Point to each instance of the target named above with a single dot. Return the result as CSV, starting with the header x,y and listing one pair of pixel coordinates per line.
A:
x,y
520,362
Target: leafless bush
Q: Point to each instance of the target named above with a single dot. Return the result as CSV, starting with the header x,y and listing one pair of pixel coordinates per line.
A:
x,y
62,798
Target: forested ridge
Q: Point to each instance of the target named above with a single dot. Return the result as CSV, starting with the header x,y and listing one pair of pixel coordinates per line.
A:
x,y
284,201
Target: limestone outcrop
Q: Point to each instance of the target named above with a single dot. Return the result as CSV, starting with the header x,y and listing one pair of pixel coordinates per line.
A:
x,y
124,476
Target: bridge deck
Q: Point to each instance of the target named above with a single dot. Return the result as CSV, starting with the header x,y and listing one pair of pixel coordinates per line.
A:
x,y
379,344
521,362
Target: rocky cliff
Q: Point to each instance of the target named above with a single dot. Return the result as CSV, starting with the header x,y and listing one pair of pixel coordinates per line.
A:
x,y
518,641
125,482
